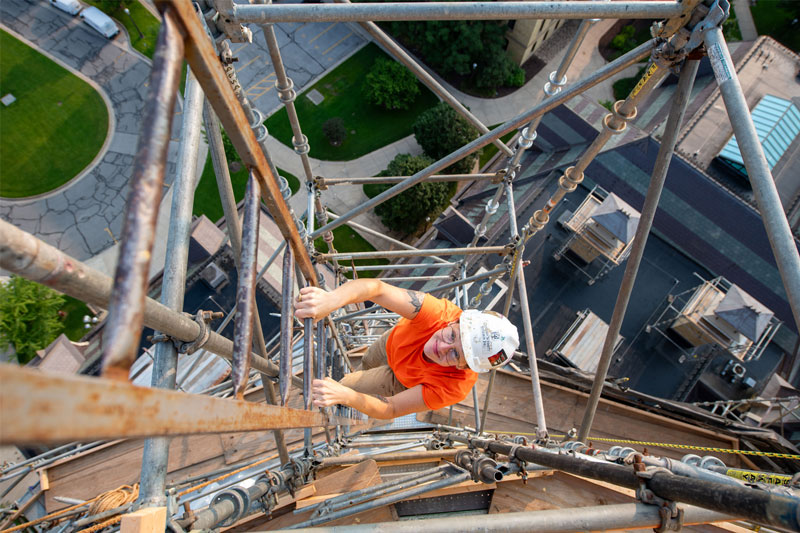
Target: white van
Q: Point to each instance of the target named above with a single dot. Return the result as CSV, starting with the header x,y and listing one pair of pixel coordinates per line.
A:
x,y
99,21
67,6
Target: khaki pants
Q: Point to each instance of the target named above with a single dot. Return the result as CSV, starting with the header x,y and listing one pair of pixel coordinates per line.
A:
x,y
375,376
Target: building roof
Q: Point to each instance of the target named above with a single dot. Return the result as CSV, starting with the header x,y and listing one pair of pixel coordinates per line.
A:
x,y
62,355
777,122
615,215
749,316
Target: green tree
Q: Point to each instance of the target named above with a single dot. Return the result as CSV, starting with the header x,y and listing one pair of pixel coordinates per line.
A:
x,y
29,318
440,130
334,130
413,207
463,47
390,85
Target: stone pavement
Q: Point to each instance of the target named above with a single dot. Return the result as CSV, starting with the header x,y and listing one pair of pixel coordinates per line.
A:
x,y
85,216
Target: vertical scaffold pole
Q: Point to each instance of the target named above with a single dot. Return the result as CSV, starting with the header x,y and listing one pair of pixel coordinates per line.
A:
x,y
234,226
126,308
758,171
668,141
246,288
165,361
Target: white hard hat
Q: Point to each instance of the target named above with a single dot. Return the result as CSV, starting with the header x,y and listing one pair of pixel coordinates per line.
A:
x,y
487,338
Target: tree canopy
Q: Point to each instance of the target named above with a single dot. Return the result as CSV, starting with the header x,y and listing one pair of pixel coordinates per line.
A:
x,y
463,47
390,85
29,318
413,207
440,130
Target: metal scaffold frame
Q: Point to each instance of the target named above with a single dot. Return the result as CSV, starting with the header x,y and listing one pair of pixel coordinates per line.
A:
x,y
46,409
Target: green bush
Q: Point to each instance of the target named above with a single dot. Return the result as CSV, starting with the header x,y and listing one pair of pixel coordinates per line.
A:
x,y
464,47
29,318
440,130
413,207
502,71
623,86
334,131
390,85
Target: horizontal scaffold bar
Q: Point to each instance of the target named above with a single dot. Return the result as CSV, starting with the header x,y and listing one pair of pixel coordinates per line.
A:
x,y
31,258
40,407
363,12
397,179
502,250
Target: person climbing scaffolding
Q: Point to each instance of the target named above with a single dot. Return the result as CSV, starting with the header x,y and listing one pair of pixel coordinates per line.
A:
x,y
429,360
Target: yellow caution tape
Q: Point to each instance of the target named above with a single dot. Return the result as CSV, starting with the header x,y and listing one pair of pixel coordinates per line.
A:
x,y
668,445
759,477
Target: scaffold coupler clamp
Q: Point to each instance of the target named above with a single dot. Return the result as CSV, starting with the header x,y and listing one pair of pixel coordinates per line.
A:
x,y
500,175
671,514
270,498
717,14
202,318
520,463
237,33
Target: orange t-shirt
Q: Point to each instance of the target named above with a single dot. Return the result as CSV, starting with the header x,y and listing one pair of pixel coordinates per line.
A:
x,y
441,385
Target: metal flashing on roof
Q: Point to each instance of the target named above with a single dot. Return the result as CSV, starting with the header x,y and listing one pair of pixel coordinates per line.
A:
x,y
777,123
618,217
745,313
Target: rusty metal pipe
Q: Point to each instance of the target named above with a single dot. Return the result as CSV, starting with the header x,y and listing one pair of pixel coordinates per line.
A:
x,y
287,318
246,289
205,64
227,198
33,259
427,455
124,327
41,407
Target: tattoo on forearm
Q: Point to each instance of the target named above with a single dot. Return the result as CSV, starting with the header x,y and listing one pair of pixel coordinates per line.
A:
x,y
415,300
381,398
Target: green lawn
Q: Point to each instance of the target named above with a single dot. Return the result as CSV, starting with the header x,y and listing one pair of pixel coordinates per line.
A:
x,y
146,22
779,19
346,240
206,196
374,127
55,128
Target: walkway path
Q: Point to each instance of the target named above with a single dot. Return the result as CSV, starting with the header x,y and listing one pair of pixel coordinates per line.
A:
x,y
85,217
489,111
744,17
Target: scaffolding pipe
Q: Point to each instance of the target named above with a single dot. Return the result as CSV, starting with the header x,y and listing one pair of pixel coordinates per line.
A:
x,y
33,259
287,319
126,306
155,455
388,239
234,226
426,78
205,63
427,455
401,266
377,254
758,170
379,12
470,279
599,518
246,288
367,493
388,500
751,504
679,102
329,182
543,107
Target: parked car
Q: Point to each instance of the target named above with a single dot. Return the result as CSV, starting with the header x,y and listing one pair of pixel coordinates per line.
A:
x,y
67,6
99,21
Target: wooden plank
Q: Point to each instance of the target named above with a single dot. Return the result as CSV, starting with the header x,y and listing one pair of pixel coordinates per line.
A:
x,y
44,480
565,407
146,520
94,473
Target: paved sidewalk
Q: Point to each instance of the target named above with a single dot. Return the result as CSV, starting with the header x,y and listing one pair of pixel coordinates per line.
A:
x,y
490,111
85,217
